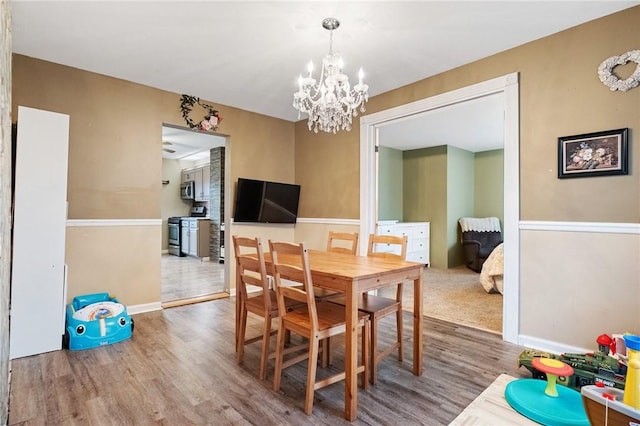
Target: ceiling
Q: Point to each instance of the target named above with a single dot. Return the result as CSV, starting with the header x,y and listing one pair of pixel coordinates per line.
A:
x,y
188,145
249,54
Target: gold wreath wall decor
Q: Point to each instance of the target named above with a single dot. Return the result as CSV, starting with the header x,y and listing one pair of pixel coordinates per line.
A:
x,y
210,121
612,81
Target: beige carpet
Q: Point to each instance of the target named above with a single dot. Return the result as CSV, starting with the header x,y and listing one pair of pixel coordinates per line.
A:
x,y
491,409
455,295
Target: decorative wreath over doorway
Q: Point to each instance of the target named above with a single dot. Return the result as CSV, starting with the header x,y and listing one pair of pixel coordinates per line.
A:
x,y
210,121
612,81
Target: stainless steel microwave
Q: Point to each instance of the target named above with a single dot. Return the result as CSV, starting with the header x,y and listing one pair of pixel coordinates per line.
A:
x,y
187,190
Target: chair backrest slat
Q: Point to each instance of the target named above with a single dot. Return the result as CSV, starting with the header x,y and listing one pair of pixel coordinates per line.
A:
x,y
291,262
342,242
377,241
251,269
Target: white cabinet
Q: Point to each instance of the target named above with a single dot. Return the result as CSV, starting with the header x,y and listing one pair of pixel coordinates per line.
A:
x,y
417,238
195,237
200,175
188,175
184,234
39,229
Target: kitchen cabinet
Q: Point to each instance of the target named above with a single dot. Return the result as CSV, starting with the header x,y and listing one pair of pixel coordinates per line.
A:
x,y
201,176
195,237
188,175
417,238
184,233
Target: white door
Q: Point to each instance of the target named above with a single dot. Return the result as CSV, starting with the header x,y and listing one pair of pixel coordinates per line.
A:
x,y
38,270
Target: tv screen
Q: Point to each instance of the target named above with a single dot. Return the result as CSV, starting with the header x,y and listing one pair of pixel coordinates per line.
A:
x,y
266,202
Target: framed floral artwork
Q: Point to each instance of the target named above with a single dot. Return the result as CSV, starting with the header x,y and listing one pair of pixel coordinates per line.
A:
x,y
593,154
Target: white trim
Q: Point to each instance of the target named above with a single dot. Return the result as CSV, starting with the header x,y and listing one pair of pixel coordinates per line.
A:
x,y
596,227
145,307
507,84
329,221
550,346
112,222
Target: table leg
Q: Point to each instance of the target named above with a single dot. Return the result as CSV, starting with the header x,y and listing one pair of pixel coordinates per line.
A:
x,y
417,325
351,356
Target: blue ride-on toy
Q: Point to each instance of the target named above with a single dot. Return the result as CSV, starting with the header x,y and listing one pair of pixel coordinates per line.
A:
x,y
94,320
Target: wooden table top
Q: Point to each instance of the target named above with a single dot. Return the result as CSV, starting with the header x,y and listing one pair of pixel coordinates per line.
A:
x,y
349,266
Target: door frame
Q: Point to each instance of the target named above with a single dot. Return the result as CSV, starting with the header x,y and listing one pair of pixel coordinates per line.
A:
x,y
509,86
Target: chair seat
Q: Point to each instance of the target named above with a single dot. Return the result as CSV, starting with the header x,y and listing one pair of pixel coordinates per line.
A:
x,y
371,304
322,294
330,315
256,303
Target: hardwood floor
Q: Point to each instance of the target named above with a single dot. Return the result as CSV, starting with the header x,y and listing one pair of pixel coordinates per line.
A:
x,y
179,368
185,279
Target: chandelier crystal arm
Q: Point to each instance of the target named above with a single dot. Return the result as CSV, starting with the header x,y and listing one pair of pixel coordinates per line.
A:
x,y
330,103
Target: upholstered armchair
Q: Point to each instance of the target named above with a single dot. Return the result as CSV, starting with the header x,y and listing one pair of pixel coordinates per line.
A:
x,y
479,236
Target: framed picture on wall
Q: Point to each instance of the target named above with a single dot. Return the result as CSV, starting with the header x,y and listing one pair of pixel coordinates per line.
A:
x,y
593,154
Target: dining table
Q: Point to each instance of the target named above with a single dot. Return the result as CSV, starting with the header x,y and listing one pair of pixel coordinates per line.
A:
x,y
354,275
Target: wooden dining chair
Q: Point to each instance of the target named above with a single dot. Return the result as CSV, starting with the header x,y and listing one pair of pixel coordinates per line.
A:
x,y
315,321
343,242
251,275
378,307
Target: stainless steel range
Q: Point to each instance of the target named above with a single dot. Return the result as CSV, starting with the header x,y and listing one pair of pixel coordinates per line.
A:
x,y
174,235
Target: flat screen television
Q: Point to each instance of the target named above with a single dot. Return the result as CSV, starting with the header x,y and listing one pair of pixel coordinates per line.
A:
x,y
266,202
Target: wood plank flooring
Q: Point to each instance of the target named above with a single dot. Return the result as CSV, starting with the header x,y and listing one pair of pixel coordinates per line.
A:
x,y
188,277
179,368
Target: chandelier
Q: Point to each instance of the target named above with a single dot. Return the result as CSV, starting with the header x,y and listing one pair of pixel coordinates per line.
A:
x,y
330,103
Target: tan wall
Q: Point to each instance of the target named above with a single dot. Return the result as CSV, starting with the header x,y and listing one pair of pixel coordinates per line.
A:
x,y
599,294
115,167
327,169
560,95
122,260
315,235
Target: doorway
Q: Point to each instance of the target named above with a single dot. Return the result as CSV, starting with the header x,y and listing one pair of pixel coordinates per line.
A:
x,y
369,132
193,271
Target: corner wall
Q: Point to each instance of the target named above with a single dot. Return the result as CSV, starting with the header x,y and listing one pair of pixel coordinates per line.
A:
x,y
390,182
461,194
489,184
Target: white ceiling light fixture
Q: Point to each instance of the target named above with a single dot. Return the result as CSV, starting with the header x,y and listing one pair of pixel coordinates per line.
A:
x,y
330,103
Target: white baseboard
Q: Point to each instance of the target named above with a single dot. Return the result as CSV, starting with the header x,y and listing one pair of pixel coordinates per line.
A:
x,y
145,307
550,346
